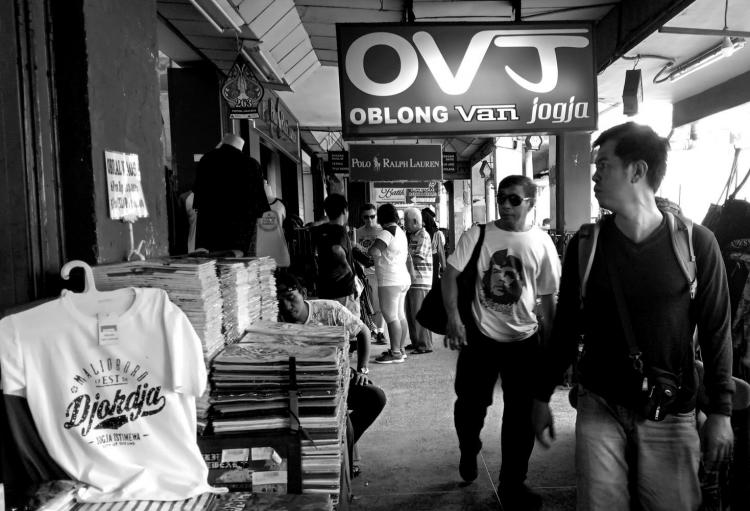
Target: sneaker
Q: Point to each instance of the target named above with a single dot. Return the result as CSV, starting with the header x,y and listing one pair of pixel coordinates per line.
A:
x,y
420,351
403,353
380,338
389,358
467,467
519,497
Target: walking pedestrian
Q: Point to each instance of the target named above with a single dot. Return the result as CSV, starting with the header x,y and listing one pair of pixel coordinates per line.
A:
x,y
627,455
517,266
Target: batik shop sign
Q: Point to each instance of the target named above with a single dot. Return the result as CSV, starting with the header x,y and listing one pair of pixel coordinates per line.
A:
x,y
411,193
386,162
441,79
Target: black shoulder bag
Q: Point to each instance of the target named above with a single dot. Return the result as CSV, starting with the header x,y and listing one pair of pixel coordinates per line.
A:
x,y
432,314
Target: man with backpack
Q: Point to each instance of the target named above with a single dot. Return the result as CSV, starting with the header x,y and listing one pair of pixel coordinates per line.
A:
x,y
635,287
514,264
335,279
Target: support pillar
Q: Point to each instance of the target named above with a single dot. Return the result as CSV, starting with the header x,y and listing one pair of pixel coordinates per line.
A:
x,y
572,181
106,55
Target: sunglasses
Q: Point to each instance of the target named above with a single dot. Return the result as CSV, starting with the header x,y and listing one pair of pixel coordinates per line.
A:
x,y
515,200
368,216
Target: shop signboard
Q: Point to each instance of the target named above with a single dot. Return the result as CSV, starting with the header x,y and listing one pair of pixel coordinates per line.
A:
x,y
388,162
453,168
411,193
242,91
452,78
449,162
124,192
339,161
277,123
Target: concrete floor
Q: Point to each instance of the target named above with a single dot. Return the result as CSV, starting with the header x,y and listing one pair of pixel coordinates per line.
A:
x,y
409,456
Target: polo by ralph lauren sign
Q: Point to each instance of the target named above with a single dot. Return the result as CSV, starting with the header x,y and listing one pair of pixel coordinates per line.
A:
x,y
427,79
376,162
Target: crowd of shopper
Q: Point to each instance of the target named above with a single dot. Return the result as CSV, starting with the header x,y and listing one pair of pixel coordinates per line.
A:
x,y
627,453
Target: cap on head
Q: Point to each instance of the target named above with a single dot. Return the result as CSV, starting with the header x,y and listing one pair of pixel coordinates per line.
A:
x,y
286,283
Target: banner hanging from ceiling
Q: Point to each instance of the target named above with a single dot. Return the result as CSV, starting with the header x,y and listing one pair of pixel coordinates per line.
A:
x,y
384,162
242,91
444,79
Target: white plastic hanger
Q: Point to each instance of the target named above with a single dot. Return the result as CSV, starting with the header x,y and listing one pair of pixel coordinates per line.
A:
x,y
89,283
92,301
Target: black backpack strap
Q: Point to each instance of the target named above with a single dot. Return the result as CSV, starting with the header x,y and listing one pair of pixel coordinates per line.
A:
x,y
681,234
588,235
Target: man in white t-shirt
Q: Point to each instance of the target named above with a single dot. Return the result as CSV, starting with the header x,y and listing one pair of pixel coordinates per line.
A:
x,y
517,265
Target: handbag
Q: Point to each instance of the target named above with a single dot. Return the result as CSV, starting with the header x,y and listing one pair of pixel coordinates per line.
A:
x,y
432,314
270,240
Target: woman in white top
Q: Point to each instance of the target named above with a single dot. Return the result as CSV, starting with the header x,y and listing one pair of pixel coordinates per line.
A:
x,y
390,250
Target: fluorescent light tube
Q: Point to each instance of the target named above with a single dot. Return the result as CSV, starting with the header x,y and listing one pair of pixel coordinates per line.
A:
x,y
724,49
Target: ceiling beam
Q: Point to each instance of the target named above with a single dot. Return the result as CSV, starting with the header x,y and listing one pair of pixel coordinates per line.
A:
x,y
704,31
629,23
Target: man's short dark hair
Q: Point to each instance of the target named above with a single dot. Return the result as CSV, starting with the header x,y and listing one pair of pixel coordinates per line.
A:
x,y
387,214
634,142
287,282
367,207
529,188
334,205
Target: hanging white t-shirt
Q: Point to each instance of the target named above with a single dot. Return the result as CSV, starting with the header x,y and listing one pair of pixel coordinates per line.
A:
x,y
513,269
119,417
390,267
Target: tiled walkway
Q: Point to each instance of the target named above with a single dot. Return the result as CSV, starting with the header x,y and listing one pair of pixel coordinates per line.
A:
x,y
409,457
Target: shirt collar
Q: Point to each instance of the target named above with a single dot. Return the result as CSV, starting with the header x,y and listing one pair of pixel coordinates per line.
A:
x,y
309,312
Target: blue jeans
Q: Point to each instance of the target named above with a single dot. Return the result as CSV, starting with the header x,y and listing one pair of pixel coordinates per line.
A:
x,y
620,457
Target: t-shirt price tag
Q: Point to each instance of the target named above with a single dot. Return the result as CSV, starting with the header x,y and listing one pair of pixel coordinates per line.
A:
x,y
235,455
108,332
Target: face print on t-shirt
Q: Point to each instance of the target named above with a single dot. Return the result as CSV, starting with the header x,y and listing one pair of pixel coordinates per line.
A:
x,y
502,283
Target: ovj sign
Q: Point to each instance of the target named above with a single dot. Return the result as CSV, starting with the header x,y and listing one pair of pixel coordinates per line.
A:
x,y
427,79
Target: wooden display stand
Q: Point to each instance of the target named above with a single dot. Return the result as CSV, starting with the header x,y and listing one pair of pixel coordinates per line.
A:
x,y
285,442
227,453
230,455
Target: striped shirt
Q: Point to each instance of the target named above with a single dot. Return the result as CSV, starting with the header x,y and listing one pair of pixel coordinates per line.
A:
x,y
420,250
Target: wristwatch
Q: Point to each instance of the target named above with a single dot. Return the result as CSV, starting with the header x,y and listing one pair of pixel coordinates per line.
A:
x,y
363,370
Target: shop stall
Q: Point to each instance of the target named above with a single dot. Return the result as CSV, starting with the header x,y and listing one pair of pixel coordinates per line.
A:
x,y
170,380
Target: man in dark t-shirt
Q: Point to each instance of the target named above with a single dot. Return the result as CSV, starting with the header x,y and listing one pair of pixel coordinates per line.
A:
x,y
335,279
635,280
